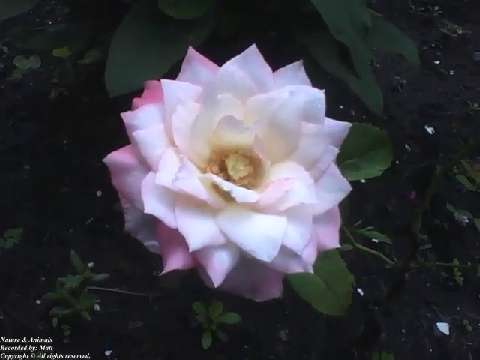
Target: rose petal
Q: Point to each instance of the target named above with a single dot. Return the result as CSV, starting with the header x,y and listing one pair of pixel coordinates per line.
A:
x,y
240,194
127,173
218,261
327,158
143,118
197,224
292,74
289,262
234,82
140,226
299,229
182,121
167,168
232,132
326,228
302,187
258,234
174,250
331,188
311,146
336,131
152,94
197,69
151,143
159,201
254,280
252,63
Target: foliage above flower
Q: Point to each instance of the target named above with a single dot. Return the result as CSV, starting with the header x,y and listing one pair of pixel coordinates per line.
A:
x,y
231,170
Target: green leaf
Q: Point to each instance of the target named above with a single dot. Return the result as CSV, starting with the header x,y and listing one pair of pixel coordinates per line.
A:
x,y
206,340
71,281
465,182
77,263
329,288
374,235
185,9
10,238
9,8
199,308
63,52
386,36
330,54
147,45
215,309
91,56
365,153
230,318
26,63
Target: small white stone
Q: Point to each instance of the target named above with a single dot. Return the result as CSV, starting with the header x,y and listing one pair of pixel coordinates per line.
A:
x,y
360,292
38,302
99,193
452,72
362,181
408,148
91,264
429,129
341,106
96,307
443,327
108,352
436,62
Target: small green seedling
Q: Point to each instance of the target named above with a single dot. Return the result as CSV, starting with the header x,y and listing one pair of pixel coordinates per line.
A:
x,y
210,318
382,356
10,238
71,296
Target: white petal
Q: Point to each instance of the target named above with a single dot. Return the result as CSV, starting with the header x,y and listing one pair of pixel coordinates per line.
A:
x,y
218,261
311,146
252,63
299,229
197,69
326,158
289,262
159,201
292,74
336,131
331,188
258,234
182,121
143,118
240,194
232,132
167,168
197,224
151,143
234,82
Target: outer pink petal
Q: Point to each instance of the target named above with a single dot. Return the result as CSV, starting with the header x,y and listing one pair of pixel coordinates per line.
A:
x,y
174,250
168,168
331,188
127,172
327,158
292,74
326,229
143,118
252,63
159,201
256,233
197,69
254,280
218,261
152,93
197,224
336,131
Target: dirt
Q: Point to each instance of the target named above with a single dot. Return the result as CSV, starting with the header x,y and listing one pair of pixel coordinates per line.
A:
x,y
57,123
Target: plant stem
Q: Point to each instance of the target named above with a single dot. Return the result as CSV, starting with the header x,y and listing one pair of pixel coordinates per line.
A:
x,y
366,249
123,292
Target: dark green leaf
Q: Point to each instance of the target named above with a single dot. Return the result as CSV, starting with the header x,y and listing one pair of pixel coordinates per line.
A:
x,y
215,309
9,8
372,234
230,318
185,9
382,356
26,63
199,308
147,45
63,52
329,289
365,153
11,237
77,263
386,36
330,55
206,340
71,281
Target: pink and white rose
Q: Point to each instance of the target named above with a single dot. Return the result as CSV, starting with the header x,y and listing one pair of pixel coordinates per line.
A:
x,y
231,170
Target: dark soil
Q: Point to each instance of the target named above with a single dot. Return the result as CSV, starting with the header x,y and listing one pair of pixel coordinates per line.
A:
x,y
57,123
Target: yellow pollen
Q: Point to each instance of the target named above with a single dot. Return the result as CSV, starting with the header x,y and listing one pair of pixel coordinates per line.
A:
x,y
239,166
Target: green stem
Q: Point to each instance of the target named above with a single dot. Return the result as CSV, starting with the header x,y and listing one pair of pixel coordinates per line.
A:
x,y
123,292
366,249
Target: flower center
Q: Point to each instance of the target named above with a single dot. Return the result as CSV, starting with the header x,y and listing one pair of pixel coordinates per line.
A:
x,y
240,166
